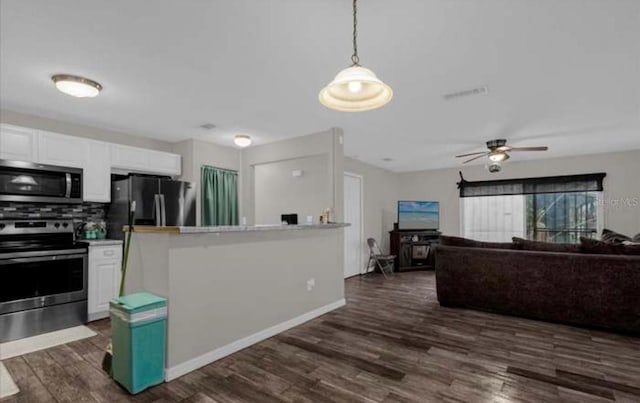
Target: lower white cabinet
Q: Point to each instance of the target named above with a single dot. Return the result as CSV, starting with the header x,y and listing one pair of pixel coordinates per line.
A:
x,y
105,263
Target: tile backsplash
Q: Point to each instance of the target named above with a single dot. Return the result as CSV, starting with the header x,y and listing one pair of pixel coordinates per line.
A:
x,y
76,212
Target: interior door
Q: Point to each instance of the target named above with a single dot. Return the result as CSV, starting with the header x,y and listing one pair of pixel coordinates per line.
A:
x,y
353,242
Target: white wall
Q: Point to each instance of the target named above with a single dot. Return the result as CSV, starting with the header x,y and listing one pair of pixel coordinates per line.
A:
x,y
72,129
196,153
304,151
621,185
380,199
278,192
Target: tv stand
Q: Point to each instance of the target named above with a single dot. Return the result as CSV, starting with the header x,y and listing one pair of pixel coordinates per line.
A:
x,y
413,248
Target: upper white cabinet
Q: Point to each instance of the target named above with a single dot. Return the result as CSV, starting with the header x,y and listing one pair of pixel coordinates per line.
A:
x,y
143,160
18,143
125,157
58,149
96,158
97,172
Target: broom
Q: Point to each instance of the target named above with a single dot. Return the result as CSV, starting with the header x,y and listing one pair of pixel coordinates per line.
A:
x,y
108,355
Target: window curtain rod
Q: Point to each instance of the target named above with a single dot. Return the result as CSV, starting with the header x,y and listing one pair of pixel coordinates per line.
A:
x,y
547,184
221,169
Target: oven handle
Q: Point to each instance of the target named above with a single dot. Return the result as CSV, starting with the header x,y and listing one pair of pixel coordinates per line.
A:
x,y
5,262
67,177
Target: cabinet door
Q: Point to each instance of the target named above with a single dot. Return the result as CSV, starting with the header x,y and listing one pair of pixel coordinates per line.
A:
x,y
103,275
97,172
58,149
17,143
164,162
147,161
126,157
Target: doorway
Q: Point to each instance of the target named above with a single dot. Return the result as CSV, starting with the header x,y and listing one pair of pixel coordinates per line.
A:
x,y
353,242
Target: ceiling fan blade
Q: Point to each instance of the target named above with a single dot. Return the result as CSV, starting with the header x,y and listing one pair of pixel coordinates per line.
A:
x,y
475,158
540,148
470,154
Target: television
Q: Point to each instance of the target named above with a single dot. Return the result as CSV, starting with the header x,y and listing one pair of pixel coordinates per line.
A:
x,y
418,215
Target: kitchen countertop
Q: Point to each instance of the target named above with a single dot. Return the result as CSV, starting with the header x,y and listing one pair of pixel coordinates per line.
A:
x,y
149,229
101,242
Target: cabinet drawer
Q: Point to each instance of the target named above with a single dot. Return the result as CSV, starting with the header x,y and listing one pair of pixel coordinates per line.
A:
x,y
105,253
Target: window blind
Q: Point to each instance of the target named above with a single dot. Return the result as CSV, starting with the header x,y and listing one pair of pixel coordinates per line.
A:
x,y
525,186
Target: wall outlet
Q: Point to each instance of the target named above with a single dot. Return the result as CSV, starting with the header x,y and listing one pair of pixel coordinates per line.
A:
x,y
311,283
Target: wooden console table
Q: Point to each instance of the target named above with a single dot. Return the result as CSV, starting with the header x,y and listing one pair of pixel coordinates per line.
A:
x,y
413,248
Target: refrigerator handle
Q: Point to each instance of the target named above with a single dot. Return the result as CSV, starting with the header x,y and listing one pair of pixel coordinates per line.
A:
x,y
163,211
156,209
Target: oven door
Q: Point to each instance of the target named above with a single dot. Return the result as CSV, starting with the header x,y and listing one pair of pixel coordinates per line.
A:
x,y
27,182
35,282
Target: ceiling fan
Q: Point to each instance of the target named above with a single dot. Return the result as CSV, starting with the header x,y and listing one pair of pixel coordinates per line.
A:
x,y
498,151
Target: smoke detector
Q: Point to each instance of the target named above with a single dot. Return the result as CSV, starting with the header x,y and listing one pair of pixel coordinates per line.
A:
x,y
208,126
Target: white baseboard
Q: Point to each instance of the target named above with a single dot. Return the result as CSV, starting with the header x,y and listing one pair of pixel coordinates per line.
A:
x,y
214,355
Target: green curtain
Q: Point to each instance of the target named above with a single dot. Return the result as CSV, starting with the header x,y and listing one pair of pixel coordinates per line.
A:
x,y
219,196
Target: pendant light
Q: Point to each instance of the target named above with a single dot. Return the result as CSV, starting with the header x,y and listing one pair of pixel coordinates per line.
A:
x,y
355,88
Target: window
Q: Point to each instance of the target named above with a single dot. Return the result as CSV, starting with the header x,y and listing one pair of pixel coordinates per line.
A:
x,y
562,217
552,209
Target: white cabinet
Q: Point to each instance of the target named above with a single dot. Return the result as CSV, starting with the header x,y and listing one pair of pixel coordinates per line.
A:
x,y
97,172
58,149
104,278
164,162
18,143
125,157
96,158
143,160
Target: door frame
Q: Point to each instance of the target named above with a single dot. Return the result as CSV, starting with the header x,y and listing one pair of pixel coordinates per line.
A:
x,y
361,254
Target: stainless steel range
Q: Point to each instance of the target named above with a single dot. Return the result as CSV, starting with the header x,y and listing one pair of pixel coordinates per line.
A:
x,y
43,278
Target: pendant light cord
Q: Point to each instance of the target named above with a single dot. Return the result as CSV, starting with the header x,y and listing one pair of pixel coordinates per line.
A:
x,y
354,58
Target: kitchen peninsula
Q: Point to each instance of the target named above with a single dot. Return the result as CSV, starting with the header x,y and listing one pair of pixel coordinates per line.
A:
x,y
232,286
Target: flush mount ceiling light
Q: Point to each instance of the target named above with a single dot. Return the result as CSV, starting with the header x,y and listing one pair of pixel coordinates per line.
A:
x,y
76,86
242,140
356,88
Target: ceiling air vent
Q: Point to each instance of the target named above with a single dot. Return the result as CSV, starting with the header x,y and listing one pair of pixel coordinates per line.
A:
x,y
208,126
466,93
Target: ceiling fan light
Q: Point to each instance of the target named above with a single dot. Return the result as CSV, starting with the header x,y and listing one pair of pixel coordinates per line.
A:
x,y
355,89
242,140
498,156
76,86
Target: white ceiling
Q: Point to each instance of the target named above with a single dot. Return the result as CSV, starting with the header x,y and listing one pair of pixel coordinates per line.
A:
x,y
562,73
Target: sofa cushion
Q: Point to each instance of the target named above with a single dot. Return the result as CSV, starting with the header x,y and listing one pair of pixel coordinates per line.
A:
x,y
605,248
539,246
613,237
471,243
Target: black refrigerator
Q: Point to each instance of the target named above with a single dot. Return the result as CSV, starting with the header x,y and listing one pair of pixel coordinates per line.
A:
x,y
159,201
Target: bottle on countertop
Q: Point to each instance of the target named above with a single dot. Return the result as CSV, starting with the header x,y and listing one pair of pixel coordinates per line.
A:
x,y
326,216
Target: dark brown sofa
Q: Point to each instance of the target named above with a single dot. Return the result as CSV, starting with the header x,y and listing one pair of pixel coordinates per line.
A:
x,y
581,289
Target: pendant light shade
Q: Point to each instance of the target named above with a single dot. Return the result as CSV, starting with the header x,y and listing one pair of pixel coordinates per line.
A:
x,y
356,88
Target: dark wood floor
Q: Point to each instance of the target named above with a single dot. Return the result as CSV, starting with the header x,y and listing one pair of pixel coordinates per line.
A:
x,y
391,343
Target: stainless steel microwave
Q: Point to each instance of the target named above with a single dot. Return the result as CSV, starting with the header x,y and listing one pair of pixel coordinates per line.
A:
x,y
37,183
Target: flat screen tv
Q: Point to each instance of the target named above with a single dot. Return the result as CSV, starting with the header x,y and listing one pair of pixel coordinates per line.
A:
x,y
419,215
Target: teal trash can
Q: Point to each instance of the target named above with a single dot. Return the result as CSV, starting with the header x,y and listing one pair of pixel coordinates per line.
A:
x,y
138,326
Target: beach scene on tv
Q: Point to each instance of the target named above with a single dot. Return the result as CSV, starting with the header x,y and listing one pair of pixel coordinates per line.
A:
x,y
418,215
